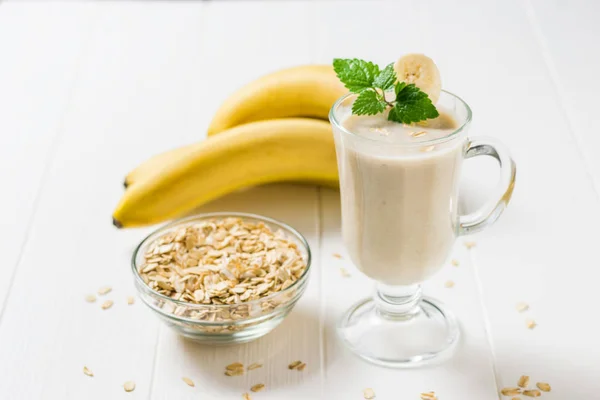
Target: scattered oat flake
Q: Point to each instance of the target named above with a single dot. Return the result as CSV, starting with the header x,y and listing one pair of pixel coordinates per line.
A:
x,y
129,386
417,134
87,371
301,367
455,263
234,366
516,398
337,255
90,298
427,149
234,369
531,324
449,284
470,245
104,290
523,381
188,381
344,272
368,393
107,304
246,396
543,386
258,387
510,391
235,372
295,364
532,393
254,366
522,306
130,300
428,396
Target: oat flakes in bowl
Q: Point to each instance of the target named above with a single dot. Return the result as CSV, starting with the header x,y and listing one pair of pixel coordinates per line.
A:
x,y
222,277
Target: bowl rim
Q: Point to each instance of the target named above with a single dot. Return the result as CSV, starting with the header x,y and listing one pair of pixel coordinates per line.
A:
x,y
223,214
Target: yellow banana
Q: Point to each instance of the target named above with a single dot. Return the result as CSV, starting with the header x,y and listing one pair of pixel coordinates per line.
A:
x,y
288,149
304,91
156,163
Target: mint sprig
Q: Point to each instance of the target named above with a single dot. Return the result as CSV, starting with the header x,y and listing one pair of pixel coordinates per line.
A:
x,y
410,104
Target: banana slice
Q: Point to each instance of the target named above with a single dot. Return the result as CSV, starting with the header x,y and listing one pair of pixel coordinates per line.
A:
x,y
422,71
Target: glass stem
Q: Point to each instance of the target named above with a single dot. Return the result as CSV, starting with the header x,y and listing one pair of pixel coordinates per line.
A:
x,y
398,302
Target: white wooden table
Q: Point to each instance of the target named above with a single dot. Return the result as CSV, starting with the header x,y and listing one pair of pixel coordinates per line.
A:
x,y
89,90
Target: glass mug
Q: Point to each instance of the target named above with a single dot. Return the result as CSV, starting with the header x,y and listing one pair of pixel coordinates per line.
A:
x,y
399,222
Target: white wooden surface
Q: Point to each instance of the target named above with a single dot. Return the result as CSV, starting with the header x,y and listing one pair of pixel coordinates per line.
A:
x,y
88,90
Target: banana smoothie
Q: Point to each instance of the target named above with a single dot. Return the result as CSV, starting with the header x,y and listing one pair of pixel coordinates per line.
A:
x,y
399,194
400,142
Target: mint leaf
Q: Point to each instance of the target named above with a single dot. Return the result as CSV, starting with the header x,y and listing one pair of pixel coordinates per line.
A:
x,y
412,105
399,86
368,102
386,78
355,74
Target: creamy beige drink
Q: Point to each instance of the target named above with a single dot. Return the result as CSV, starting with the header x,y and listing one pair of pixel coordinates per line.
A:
x,y
399,194
400,144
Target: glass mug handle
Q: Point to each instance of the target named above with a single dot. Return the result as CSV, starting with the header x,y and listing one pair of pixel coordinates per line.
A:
x,y
492,209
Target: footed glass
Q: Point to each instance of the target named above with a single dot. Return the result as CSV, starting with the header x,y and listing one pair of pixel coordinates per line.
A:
x,y
399,221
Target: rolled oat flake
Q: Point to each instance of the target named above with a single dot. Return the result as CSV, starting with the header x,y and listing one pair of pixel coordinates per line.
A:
x,y
258,387
129,386
543,386
188,381
369,393
523,381
510,391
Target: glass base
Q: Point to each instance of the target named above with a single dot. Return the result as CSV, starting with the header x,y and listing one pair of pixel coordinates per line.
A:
x,y
425,335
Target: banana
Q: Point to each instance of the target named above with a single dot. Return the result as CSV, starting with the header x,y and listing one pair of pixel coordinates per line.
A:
x,y
156,163
422,71
289,149
304,91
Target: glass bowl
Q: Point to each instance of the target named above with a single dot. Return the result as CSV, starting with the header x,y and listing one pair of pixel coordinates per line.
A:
x,y
215,323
